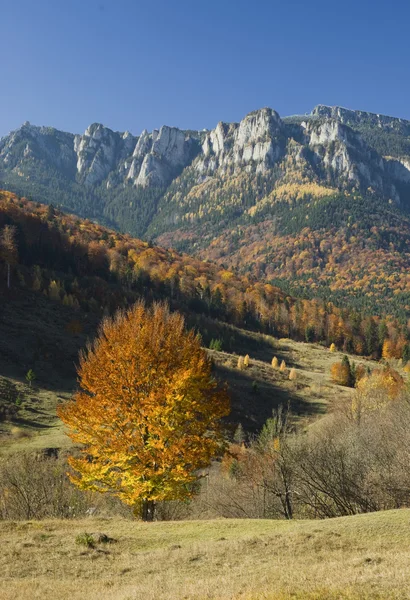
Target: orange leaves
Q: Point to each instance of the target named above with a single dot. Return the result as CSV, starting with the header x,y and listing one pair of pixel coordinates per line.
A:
x,y
148,410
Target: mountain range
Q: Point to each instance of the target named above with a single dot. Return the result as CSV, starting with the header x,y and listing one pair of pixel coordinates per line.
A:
x,y
317,203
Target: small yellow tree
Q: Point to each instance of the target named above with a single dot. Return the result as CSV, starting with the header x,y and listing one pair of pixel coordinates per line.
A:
x,y
375,391
241,363
282,367
246,361
292,374
275,362
332,348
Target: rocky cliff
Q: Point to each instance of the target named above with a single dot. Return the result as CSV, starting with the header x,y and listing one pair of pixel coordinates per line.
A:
x,y
170,176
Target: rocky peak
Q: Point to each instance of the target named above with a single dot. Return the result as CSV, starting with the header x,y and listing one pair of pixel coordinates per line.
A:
x,y
99,150
255,141
157,156
359,117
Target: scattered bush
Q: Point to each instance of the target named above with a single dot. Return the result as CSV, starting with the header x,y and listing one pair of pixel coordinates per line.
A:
x,y
342,374
30,377
215,344
293,375
85,539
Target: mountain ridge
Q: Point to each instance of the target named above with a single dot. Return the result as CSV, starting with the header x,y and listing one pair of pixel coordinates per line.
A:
x,y
218,193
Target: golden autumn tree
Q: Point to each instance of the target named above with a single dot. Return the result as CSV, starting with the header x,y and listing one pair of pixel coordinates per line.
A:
x,y
148,411
375,391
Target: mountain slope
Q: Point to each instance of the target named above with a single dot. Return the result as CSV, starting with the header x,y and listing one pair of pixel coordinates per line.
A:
x,y
315,204
87,267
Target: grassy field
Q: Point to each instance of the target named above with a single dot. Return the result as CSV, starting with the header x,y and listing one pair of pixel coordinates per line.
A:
x,y
361,557
255,392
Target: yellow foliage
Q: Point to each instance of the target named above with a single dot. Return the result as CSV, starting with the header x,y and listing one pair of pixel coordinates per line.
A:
x,y
332,348
246,361
275,362
375,391
148,410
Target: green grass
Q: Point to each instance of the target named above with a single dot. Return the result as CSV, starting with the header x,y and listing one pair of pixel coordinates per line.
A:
x,y
361,557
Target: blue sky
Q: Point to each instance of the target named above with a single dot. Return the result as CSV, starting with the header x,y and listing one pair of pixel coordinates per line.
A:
x,y
134,65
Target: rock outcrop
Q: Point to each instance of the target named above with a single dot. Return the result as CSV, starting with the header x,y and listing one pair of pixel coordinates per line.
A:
x,y
256,142
359,117
333,147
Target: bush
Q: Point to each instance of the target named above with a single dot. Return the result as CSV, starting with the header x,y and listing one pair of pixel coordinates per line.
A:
x,y
36,486
342,373
85,539
293,375
215,345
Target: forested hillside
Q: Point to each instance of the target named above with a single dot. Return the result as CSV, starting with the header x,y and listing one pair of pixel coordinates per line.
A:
x,y
86,267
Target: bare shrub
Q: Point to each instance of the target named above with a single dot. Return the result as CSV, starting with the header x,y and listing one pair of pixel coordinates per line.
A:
x,y
34,486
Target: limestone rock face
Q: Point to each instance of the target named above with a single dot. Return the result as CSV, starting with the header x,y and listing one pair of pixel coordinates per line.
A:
x,y
157,156
350,117
255,142
29,144
331,147
99,151
343,154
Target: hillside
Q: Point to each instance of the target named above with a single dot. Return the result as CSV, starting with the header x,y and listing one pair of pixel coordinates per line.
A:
x,y
88,268
219,560
316,204
70,273
255,392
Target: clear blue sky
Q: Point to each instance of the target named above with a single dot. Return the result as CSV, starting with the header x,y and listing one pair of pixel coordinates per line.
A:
x,y
190,63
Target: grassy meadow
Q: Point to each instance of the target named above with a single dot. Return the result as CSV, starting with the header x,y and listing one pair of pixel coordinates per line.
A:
x,y
255,391
359,557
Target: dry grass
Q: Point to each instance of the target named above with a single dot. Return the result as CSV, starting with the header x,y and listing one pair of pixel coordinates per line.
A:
x,y
360,557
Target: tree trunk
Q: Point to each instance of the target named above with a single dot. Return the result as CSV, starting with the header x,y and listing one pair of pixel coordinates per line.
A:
x,y
8,275
148,510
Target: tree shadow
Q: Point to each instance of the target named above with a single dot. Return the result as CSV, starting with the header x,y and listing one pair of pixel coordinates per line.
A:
x,y
254,397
